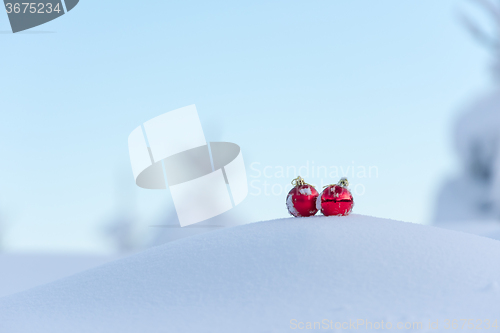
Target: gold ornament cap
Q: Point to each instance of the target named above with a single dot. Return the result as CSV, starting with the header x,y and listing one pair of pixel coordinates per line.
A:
x,y
342,182
299,181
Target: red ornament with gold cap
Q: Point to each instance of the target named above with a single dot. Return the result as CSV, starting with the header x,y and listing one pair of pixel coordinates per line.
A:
x,y
336,200
301,200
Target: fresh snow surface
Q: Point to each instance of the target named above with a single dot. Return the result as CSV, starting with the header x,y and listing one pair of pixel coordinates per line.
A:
x,y
484,228
258,277
19,272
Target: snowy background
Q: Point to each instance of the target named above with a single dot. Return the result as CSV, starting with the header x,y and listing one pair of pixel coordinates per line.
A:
x,y
262,276
394,95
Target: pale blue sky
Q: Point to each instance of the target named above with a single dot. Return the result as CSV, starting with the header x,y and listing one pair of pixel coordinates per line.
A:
x,y
337,83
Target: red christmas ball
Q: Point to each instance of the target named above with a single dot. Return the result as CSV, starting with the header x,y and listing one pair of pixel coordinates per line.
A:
x,y
301,200
336,200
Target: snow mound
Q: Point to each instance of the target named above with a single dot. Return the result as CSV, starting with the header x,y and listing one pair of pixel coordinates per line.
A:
x,y
261,277
484,228
23,271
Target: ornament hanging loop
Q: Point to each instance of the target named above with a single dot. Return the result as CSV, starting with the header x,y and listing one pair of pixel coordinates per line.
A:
x,y
299,181
342,182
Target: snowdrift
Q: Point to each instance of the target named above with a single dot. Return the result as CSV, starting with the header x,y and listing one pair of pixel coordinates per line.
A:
x,y
19,272
270,276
